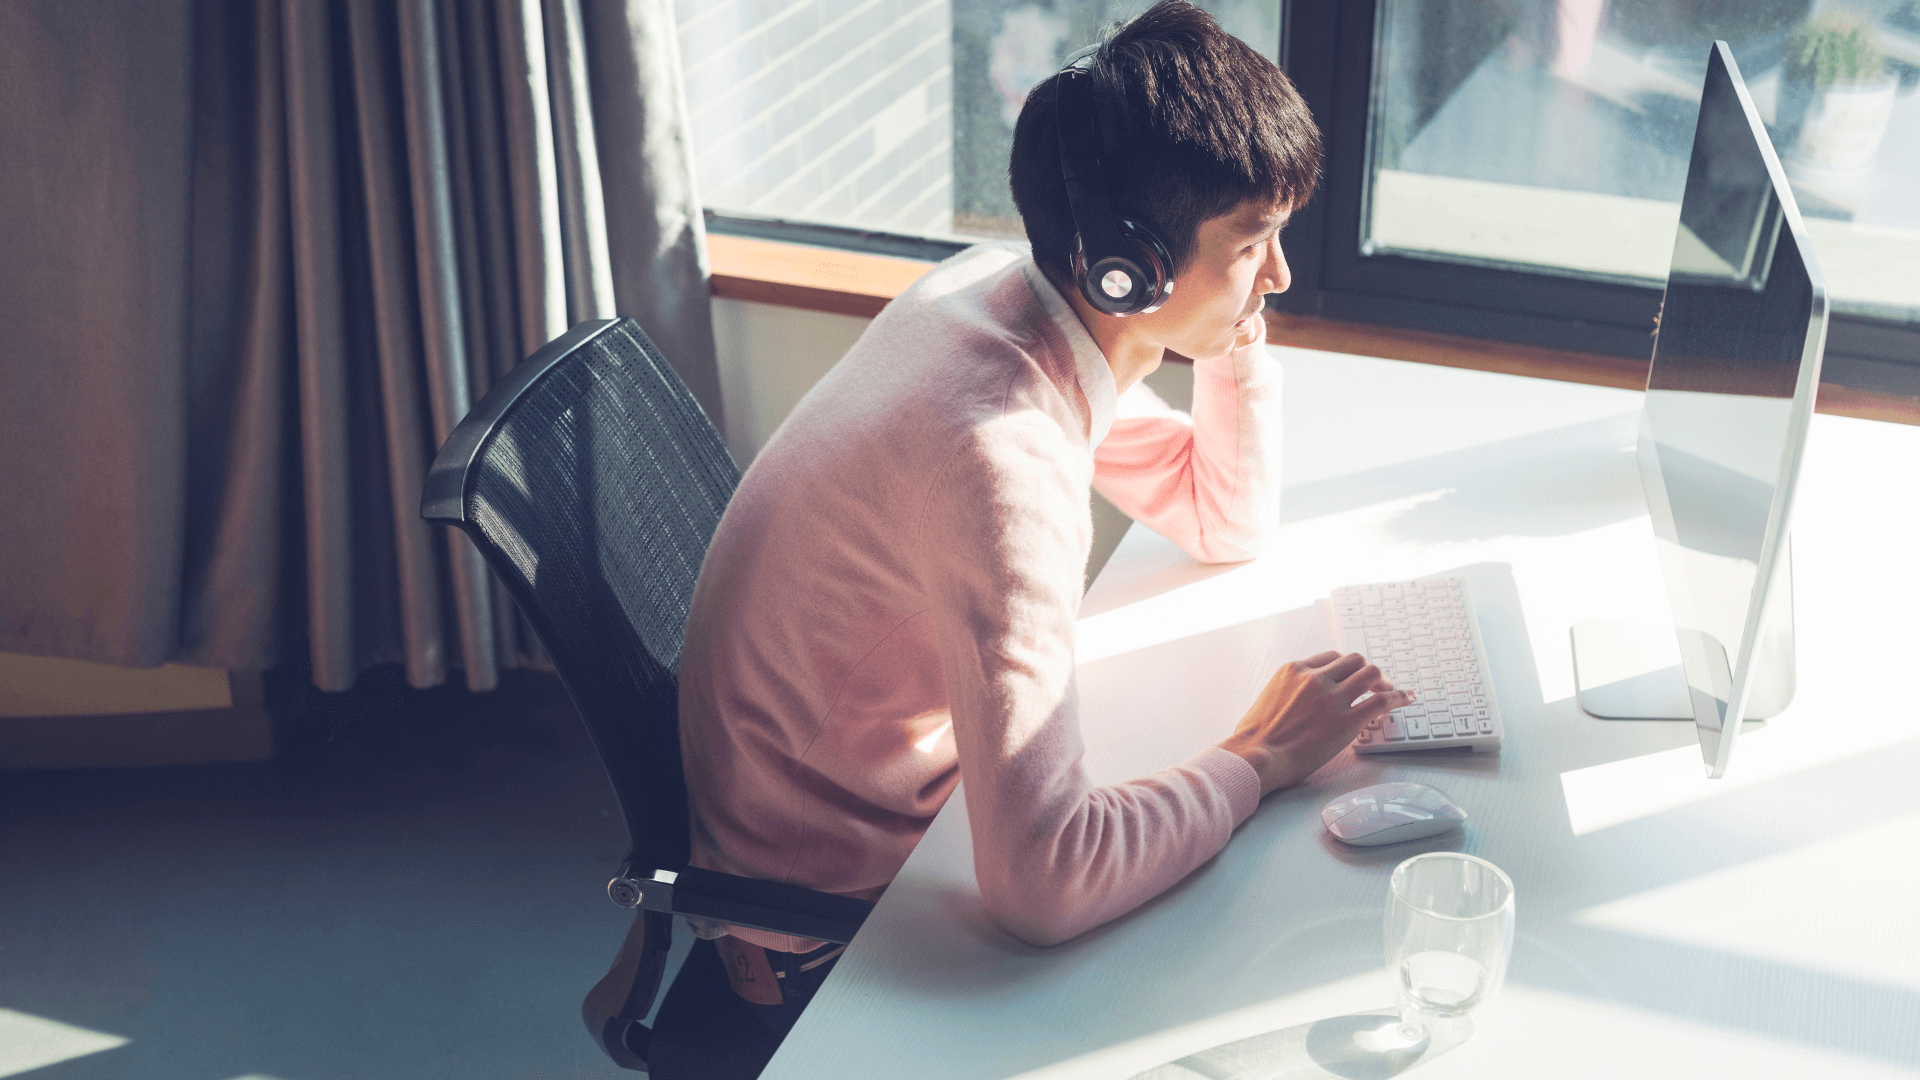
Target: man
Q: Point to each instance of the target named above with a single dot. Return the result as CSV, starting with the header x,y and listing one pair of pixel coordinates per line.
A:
x,y
887,607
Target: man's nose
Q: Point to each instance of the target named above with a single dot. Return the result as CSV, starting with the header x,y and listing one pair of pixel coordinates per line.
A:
x,y
1276,276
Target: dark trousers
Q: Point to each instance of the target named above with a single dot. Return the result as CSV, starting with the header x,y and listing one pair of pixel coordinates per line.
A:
x,y
704,1031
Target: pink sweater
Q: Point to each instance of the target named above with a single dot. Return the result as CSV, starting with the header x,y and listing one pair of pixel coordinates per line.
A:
x,y
888,606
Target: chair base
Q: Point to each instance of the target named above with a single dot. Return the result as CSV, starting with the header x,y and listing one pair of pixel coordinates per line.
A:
x,y
614,1010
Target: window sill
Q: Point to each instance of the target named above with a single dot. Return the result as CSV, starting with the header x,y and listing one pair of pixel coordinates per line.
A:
x,y
859,284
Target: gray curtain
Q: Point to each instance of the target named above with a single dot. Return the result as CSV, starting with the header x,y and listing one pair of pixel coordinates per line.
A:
x,y
257,258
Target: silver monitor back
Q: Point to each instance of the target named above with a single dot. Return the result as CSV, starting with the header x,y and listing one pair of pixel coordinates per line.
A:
x,y
1736,362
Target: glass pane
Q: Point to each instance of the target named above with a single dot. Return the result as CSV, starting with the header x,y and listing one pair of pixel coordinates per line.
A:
x,y
889,114
1552,135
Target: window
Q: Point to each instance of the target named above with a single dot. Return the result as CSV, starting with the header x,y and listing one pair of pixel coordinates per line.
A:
x,y
1553,136
888,115
1503,169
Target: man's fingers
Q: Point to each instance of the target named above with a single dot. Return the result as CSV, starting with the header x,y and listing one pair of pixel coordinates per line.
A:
x,y
1380,704
1342,668
1320,659
1364,679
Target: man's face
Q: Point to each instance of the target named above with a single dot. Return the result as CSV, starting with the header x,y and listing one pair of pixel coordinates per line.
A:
x,y
1236,261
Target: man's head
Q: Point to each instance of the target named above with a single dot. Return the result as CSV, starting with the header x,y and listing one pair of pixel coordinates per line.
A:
x,y
1195,123
1199,135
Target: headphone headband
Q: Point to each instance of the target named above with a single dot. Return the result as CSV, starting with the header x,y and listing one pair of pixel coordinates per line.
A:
x,y
1120,266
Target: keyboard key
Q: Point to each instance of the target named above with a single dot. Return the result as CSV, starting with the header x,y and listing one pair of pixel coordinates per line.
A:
x,y
1416,709
1459,699
1486,726
1416,727
1370,596
1396,730
1442,729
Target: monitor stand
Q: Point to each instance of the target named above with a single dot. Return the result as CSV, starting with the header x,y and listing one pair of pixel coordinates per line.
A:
x,y
1625,671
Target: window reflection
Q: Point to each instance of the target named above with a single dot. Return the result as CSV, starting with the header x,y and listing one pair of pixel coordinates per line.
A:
x,y
1554,135
890,114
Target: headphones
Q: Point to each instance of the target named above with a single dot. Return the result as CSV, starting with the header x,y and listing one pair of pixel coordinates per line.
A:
x,y
1121,267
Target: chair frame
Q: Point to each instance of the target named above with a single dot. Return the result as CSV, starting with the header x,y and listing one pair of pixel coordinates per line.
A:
x,y
676,889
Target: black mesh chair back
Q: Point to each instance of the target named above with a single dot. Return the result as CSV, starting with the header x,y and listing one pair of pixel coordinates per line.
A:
x,y
592,482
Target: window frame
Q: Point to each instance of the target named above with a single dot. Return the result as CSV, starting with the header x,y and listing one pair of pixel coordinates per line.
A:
x,y
1329,54
1327,49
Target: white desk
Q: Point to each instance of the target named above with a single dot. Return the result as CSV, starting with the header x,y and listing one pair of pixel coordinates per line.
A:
x,y
1766,925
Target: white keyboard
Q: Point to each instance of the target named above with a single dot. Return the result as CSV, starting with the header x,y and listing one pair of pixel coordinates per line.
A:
x,y
1425,639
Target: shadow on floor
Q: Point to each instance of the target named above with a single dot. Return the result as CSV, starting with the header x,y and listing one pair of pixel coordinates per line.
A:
x,y
419,895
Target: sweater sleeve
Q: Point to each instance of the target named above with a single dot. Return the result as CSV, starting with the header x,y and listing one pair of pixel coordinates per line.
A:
x,y
1210,481
1001,550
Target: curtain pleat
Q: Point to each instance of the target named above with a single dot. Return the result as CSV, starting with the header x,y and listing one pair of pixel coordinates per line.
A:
x,y
532,173
381,209
480,64
438,265
479,51
319,315
244,534
583,215
657,242
396,329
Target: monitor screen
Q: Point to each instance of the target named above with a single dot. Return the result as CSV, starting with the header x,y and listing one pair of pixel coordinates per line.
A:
x,y
1735,366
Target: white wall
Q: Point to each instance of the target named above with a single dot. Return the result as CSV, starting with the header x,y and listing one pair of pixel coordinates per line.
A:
x,y
769,357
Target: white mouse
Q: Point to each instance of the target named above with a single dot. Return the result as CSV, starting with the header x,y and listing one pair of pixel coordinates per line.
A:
x,y
1390,813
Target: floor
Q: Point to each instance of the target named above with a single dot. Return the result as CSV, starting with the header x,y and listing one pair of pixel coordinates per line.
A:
x,y
417,899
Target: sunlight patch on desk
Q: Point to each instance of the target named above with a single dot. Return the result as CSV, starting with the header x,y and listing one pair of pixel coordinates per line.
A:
x,y
29,1042
1566,1036
1357,993
1569,1037
1867,932
1225,600
1243,593
1616,792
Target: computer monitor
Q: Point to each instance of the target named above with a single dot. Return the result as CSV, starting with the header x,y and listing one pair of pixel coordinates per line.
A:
x,y
1736,362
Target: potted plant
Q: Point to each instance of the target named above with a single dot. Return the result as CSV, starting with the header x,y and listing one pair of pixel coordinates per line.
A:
x,y
1835,100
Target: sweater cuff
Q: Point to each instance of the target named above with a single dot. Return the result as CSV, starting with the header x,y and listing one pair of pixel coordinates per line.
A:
x,y
1234,777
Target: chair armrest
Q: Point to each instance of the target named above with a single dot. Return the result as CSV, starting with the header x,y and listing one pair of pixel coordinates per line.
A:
x,y
741,901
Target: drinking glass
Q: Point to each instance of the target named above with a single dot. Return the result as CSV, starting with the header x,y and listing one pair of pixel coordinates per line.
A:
x,y
1449,928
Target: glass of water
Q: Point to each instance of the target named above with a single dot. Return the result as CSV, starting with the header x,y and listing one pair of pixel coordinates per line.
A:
x,y
1449,929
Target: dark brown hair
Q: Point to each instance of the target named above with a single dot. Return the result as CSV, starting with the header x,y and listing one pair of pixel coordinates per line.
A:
x,y
1193,121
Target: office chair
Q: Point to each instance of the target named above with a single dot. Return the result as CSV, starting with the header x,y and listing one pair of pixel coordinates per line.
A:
x,y
591,481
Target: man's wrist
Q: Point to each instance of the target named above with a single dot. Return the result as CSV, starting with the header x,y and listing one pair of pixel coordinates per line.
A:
x,y
1263,761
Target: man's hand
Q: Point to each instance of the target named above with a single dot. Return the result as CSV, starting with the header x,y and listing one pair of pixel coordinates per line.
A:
x,y
1307,713
1255,330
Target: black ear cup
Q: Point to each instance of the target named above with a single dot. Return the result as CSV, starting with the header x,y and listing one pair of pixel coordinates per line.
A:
x,y
1120,266
1135,280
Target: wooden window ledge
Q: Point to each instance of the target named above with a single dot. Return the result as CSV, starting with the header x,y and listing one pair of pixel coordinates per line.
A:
x,y
859,284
